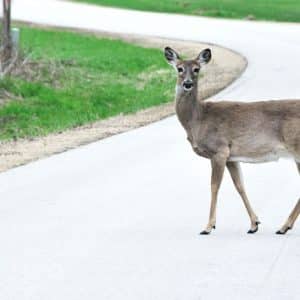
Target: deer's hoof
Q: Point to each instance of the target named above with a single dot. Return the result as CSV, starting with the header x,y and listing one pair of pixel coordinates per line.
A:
x,y
251,231
204,232
284,231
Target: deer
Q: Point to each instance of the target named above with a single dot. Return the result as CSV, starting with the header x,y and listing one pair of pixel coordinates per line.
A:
x,y
229,133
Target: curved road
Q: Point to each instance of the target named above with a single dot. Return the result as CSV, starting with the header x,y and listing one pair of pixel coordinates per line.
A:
x,y
118,219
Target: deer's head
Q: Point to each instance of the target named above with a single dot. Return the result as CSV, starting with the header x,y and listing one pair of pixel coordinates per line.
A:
x,y
187,70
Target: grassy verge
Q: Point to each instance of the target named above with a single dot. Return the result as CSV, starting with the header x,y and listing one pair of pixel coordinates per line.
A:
x,y
72,79
277,10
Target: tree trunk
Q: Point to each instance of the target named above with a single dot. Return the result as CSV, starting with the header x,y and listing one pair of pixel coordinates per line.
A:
x,y
6,37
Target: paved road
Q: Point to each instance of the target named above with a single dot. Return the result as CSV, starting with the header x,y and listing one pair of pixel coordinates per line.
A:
x,y
118,219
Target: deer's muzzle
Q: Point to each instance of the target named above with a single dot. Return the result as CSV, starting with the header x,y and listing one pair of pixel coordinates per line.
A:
x,y
188,85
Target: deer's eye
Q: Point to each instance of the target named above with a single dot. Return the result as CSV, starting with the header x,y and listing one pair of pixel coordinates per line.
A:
x,y
180,69
196,70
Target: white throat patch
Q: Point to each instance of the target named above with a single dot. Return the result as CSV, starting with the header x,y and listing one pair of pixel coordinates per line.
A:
x,y
179,89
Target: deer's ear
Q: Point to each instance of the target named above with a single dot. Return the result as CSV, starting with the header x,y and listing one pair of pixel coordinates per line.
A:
x,y
204,57
171,56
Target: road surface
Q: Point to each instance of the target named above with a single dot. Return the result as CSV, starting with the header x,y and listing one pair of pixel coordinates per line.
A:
x,y
119,218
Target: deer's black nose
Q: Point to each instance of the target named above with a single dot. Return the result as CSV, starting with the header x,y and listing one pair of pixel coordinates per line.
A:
x,y
188,85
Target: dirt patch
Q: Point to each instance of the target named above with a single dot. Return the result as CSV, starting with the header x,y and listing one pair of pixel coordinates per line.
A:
x,y
224,68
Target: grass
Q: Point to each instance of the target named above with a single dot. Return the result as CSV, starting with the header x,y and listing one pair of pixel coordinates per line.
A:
x,y
277,10
75,79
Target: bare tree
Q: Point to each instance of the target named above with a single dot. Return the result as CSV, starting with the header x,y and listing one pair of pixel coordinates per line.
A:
x,y
8,49
6,36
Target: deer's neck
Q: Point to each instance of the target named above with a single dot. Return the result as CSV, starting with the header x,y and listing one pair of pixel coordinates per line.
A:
x,y
188,108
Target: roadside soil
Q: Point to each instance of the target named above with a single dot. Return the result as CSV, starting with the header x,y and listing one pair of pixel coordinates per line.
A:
x,y
224,68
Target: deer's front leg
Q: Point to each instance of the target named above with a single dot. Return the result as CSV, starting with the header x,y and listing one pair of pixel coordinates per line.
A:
x,y
218,163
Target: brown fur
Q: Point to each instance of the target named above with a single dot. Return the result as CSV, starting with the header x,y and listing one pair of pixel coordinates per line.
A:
x,y
247,129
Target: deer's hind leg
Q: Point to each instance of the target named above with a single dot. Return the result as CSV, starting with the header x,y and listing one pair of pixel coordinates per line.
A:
x,y
293,216
236,175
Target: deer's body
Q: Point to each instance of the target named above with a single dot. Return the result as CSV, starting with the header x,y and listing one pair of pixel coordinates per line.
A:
x,y
254,132
231,132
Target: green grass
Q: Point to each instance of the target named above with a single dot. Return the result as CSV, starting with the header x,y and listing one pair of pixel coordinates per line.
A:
x,y
80,79
277,10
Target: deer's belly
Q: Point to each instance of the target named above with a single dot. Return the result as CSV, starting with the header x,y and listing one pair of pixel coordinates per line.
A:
x,y
274,155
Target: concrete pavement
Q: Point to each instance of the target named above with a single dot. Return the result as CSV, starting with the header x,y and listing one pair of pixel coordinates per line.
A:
x,y
118,219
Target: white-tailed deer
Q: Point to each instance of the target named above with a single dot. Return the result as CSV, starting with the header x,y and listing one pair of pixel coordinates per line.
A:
x,y
231,132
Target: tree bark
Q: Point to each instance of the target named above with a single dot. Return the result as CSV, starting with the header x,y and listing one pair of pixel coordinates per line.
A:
x,y
6,37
